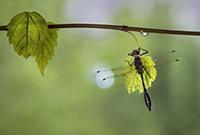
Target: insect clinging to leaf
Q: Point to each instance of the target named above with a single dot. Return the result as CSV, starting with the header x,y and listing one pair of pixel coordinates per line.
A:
x,y
138,73
142,73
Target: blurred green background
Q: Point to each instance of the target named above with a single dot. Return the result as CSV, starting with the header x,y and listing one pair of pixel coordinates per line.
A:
x,y
68,102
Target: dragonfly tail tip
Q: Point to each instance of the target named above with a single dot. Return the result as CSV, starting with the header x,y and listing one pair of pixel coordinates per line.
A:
x,y
149,109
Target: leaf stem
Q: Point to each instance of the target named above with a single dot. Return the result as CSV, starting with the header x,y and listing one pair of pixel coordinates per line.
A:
x,y
124,28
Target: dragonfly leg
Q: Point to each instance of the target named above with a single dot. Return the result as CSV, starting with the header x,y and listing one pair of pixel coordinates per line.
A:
x,y
129,63
147,98
145,51
147,73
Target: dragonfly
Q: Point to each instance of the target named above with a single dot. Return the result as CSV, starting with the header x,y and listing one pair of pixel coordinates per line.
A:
x,y
139,73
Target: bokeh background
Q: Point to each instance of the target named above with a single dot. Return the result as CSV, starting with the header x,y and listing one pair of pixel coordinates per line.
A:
x,y
68,102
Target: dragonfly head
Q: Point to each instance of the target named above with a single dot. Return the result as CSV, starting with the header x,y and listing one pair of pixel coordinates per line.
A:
x,y
134,53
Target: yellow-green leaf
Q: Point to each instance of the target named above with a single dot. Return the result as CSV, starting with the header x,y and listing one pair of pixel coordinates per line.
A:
x,y
24,32
133,80
29,34
45,50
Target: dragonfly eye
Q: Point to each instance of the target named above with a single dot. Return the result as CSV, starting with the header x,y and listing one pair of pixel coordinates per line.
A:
x,y
135,52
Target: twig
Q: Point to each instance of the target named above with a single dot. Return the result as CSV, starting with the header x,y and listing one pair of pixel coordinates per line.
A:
x,y
124,28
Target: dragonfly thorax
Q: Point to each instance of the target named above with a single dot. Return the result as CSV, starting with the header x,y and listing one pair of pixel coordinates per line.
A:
x,y
138,64
137,60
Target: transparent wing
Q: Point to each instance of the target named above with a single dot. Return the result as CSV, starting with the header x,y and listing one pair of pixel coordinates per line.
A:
x,y
132,79
167,63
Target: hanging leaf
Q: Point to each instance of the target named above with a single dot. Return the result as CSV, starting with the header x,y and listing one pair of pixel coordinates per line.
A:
x,y
45,50
29,34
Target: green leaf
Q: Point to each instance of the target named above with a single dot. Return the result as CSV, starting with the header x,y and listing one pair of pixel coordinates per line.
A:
x,y
29,34
24,32
45,50
132,78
